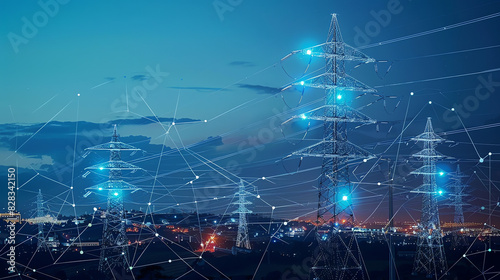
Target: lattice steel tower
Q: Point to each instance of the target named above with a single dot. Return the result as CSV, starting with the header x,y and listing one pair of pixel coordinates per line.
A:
x,y
40,213
430,258
458,188
114,248
337,255
242,239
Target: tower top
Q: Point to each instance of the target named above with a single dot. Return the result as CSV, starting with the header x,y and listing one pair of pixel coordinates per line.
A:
x,y
334,35
115,134
428,135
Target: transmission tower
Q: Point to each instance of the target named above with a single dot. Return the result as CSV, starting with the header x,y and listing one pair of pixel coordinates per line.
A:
x,y
40,213
242,239
458,187
338,255
114,248
430,258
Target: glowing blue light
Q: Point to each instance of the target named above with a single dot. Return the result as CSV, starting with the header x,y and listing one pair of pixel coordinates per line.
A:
x,y
440,192
302,83
101,168
308,52
324,237
116,194
339,96
100,189
303,116
344,198
233,220
215,222
175,217
441,173
336,224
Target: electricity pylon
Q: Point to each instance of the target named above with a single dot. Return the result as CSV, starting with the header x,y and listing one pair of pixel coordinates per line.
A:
x,y
114,248
338,255
42,242
458,188
430,257
242,239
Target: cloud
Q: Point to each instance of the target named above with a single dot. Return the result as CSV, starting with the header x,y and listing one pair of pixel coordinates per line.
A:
x,y
151,119
56,136
139,77
239,63
260,89
201,89
41,162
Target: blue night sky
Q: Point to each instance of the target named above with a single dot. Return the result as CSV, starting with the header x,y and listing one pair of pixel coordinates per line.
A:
x,y
71,70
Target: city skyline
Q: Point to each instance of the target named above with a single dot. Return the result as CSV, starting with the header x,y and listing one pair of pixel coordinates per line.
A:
x,y
212,77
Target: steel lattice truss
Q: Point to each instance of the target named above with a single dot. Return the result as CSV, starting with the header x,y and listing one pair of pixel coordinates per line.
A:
x,y
430,258
242,239
337,255
42,242
114,254
458,187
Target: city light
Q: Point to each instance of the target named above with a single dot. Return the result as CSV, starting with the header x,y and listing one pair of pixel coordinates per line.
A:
x,y
314,167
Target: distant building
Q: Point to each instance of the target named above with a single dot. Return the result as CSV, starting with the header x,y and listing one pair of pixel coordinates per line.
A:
x,y
8,217
82,244
44,220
